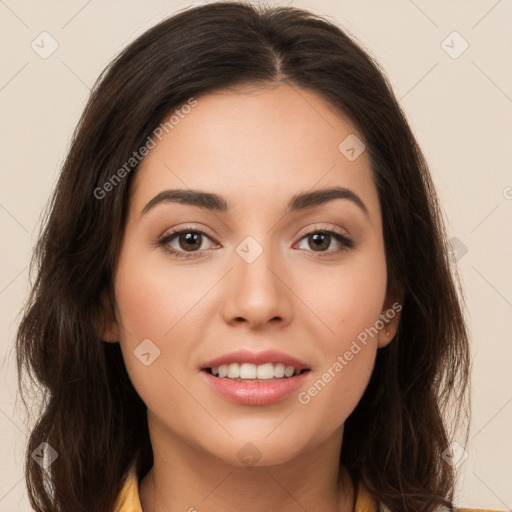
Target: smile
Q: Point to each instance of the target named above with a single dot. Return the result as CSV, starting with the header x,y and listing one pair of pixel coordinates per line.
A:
x,y
249,371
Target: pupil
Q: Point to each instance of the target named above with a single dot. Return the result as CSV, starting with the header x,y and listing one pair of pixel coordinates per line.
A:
x,y
316,239
190,238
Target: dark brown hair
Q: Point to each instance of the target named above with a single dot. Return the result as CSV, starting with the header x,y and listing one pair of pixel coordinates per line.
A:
x,y
90,413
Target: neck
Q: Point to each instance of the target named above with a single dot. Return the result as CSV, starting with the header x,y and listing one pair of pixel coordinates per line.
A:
x,y
185,478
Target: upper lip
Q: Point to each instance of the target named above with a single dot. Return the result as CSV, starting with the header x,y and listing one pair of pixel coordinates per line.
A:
x,y
257,358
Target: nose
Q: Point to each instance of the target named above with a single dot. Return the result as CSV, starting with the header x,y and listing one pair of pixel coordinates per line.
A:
x,y
256,292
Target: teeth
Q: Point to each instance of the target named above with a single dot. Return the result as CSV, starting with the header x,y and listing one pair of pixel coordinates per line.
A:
x,y
279,370
247,371
263,372
250,371
289,371
233,371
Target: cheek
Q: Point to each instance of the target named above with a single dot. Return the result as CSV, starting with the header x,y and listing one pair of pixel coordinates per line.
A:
x,y
346,298
334,392
154,297
349,300
149,310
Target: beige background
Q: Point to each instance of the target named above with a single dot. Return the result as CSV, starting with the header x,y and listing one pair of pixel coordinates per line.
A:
x,y
460,109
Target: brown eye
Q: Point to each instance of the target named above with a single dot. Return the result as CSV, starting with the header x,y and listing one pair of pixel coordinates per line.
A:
x,y
185,242
319,241
189,241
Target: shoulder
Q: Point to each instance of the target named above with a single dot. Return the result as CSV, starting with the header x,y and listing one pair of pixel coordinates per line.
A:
x,y
477,510
364,503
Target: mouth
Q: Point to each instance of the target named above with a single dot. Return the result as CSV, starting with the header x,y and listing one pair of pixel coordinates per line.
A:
x,y
255,378
248,384
248,372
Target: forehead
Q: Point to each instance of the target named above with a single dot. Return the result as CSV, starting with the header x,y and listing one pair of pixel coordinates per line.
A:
x,y
256,144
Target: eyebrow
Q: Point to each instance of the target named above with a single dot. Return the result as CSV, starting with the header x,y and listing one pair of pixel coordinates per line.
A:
x,y
214,202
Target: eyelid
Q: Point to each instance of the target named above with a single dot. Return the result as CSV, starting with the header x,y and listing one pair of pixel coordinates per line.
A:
x,y
326,227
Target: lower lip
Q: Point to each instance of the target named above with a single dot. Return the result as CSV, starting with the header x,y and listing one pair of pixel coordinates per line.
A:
x,y
255,393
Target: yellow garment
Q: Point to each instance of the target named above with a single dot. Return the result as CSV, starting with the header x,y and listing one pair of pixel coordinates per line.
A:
x,y
128,499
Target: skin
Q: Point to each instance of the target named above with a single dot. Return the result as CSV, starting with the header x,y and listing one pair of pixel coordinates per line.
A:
x,y
256,147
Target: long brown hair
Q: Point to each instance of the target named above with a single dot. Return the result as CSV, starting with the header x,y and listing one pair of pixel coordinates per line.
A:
x,y
90,414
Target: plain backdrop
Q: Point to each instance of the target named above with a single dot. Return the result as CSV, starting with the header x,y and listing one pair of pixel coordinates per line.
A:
x,y
450,66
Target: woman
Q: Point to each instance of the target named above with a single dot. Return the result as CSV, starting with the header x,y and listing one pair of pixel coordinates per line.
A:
x,y
244,297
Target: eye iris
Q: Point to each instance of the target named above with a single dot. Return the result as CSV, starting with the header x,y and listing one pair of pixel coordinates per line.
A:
x,y
316,238
191,240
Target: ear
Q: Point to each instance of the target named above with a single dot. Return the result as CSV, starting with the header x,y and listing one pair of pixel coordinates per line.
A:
x,y
109,330
390,316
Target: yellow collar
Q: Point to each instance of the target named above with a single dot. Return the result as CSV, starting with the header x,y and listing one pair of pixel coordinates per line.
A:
x,y
129,501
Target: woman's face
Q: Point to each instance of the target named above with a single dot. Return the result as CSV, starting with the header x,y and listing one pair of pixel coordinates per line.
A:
x,y
264,276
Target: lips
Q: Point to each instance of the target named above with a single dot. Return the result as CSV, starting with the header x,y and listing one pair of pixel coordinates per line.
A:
x,y
265,389
246,392
256,358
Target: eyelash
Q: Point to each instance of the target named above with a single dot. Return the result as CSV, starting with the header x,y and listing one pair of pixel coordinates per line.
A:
x,y
346,243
